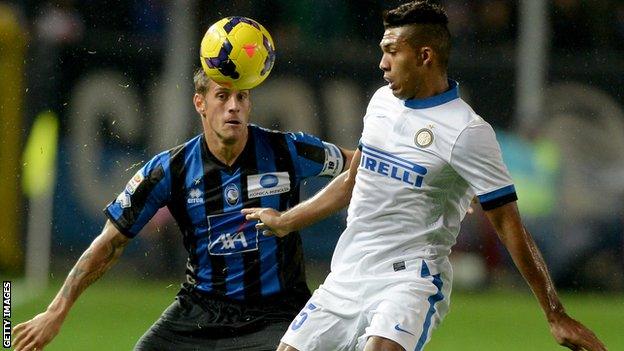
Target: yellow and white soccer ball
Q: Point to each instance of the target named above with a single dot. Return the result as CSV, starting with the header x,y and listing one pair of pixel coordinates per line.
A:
x,y
237,52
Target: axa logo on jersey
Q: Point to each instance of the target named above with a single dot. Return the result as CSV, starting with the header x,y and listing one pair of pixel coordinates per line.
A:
x,y
391,166
228,241
229,233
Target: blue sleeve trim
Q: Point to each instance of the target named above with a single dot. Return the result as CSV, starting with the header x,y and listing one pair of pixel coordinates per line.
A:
x,y
492,195
498,197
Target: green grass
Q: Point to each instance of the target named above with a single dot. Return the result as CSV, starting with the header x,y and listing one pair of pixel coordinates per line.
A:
x,y
514,321
112,315
108,315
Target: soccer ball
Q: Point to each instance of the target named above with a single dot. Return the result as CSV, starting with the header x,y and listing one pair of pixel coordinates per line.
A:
x,y
237,52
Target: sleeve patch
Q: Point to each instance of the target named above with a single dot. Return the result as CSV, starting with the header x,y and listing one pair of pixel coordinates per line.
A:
x,y
334,160
125,210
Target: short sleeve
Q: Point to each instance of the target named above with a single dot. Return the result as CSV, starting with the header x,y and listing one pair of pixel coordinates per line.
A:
x,y
314,157
476,157
146,192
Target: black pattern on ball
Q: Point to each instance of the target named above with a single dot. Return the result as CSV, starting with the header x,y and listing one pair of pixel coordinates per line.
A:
x,y
223,63
236,20
270,59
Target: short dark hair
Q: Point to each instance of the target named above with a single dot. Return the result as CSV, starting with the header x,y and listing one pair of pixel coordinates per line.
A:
x,y
201,81
431,26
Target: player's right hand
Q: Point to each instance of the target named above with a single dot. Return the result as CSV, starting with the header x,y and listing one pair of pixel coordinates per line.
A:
x,y
36,333
574,335
269,221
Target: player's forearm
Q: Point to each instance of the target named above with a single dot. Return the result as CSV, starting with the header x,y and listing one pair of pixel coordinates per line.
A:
x,y
331,199
532,266
94,262
348,156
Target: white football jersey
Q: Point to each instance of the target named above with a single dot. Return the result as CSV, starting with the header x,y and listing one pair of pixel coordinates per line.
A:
x,y
423,160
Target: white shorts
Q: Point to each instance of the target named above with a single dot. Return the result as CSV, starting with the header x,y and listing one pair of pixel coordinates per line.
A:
x,y
404,306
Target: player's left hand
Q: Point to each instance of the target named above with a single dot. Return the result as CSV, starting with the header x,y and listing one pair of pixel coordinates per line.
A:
x,y
574,335
269,221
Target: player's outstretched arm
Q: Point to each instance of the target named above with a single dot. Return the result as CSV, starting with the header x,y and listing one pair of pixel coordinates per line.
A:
x,y
527,257
348,157
335,196
94,262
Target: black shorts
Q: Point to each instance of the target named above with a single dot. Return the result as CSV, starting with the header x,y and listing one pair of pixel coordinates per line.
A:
x,y
196,321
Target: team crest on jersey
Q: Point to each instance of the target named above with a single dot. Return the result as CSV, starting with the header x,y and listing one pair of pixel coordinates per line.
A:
x,y
267,184
232,194
424,137
195,196
134,183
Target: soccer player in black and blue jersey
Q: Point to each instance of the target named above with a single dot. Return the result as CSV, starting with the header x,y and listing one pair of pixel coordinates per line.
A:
x,y
242,288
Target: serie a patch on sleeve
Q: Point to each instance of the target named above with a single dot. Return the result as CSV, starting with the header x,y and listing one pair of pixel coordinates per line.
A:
x,y
334,161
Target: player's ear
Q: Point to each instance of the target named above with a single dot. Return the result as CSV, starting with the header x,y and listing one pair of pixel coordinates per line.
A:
x,y
199,103
425,56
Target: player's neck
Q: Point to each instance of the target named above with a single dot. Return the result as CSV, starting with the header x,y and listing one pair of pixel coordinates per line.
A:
x,y
226,153
433,86
440,85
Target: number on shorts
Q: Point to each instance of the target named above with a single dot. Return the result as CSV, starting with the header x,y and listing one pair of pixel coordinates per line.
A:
x,y
296,324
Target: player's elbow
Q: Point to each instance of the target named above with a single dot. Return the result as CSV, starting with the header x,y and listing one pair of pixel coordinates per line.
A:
x,y
348,156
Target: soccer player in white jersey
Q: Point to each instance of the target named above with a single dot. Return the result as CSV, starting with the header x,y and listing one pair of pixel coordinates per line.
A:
x,y
423,155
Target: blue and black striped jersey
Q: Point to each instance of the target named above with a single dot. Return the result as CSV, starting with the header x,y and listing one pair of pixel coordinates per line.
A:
x,y
227,255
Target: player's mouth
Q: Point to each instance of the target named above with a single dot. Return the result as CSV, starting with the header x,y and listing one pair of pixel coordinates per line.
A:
x,y
393,86
234,122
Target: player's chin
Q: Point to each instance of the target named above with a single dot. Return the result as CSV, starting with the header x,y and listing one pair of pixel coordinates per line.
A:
x,y
398,93
234,128
231,134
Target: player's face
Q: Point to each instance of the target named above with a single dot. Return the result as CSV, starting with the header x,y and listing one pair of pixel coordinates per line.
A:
x,y
400,63
225,112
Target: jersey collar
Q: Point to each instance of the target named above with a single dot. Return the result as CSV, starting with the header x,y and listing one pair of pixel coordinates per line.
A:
x,y
451,94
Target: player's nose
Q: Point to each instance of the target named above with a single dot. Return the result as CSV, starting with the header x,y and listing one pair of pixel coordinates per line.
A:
x,y
384,65
233,104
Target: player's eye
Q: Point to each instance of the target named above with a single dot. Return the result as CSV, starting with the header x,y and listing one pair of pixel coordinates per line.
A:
x,y
222,96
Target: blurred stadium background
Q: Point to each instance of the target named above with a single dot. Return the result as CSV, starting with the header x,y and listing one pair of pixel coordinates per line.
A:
x,y
91,89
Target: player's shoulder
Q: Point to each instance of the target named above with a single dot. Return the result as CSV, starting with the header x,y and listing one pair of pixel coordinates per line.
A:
x,y
463,115
473,119
473,129
182,150
179,153
290,136
262,133
256,129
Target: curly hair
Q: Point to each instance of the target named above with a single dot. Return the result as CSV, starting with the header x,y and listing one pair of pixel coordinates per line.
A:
x,y
429,24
